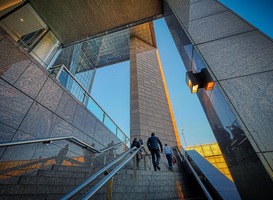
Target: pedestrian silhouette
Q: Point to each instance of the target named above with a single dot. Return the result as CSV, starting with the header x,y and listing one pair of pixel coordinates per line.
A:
x,y
136,144
153,144
62,155
169,155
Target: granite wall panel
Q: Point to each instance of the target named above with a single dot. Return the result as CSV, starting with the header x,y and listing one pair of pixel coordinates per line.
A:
x,y
31,81
67,107
238,55
12,62
50,99
13,105
38,122
215,27
61,128
252,98
79,134
21,152
6,133
80,117
192,10
90,125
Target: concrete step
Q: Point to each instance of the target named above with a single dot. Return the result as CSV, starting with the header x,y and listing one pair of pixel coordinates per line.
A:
x,y
145,196
57,181
145,188
35,180
23,197
60,173
30,189
72,168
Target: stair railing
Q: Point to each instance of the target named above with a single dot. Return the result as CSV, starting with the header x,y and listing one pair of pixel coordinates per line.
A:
x,y
184,158
101,171
69,138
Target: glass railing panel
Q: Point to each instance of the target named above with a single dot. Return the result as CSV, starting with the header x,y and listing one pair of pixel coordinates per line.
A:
x,y
95,109
68,81
21,159
110,124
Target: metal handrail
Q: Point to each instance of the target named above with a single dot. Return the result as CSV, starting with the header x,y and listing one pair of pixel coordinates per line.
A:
x,y
111,147
92,191
195,174
94,176
70,138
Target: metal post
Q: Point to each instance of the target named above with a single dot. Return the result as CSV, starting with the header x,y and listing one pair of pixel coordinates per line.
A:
x,y
145,167
84,97
184,137
135,166
59,72
109,189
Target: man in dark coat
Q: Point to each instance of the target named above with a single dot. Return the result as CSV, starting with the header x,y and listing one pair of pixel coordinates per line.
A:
x,y
136,144
153,144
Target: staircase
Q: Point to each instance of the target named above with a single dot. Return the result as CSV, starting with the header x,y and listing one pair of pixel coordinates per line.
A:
x,y
54,182
157,185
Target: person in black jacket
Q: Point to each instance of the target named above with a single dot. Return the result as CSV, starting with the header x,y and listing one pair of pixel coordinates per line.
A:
x,y
153,144
136,144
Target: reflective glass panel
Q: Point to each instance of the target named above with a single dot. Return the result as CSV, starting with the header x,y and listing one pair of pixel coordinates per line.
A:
x,y
25,26
46,48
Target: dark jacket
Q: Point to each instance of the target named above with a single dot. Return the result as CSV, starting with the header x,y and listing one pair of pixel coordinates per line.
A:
x,y
153,142
135,144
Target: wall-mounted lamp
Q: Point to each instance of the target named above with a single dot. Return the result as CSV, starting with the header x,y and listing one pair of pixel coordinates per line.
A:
x,y
199,80
47,142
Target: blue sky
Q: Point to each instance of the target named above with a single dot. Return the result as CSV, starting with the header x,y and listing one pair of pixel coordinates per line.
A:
x,y
188,112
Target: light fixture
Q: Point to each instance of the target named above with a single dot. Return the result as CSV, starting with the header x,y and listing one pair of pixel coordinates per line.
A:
x,y
192,82
21,19
199,80
47,142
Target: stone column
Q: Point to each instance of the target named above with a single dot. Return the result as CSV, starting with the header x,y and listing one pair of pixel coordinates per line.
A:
x,y
150,108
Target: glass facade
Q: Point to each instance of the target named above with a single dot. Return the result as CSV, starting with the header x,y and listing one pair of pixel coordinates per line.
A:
x,y
212,153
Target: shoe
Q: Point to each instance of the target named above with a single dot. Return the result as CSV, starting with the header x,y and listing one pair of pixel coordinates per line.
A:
x,y
155,170
158,167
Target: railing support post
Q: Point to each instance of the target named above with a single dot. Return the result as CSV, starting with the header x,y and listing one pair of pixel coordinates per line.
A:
x,y
135,167
109,189
145,164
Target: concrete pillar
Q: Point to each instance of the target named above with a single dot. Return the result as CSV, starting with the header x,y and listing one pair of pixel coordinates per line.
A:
x,y
150,108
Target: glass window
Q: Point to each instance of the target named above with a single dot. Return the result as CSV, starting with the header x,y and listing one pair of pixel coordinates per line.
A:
x,y
46,48
25,26
197,62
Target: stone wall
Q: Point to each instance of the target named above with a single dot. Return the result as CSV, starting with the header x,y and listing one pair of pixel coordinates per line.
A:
x,y
34,105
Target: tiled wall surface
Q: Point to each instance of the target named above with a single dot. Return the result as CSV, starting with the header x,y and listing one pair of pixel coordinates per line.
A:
x,y
239,58
34,105
149,106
